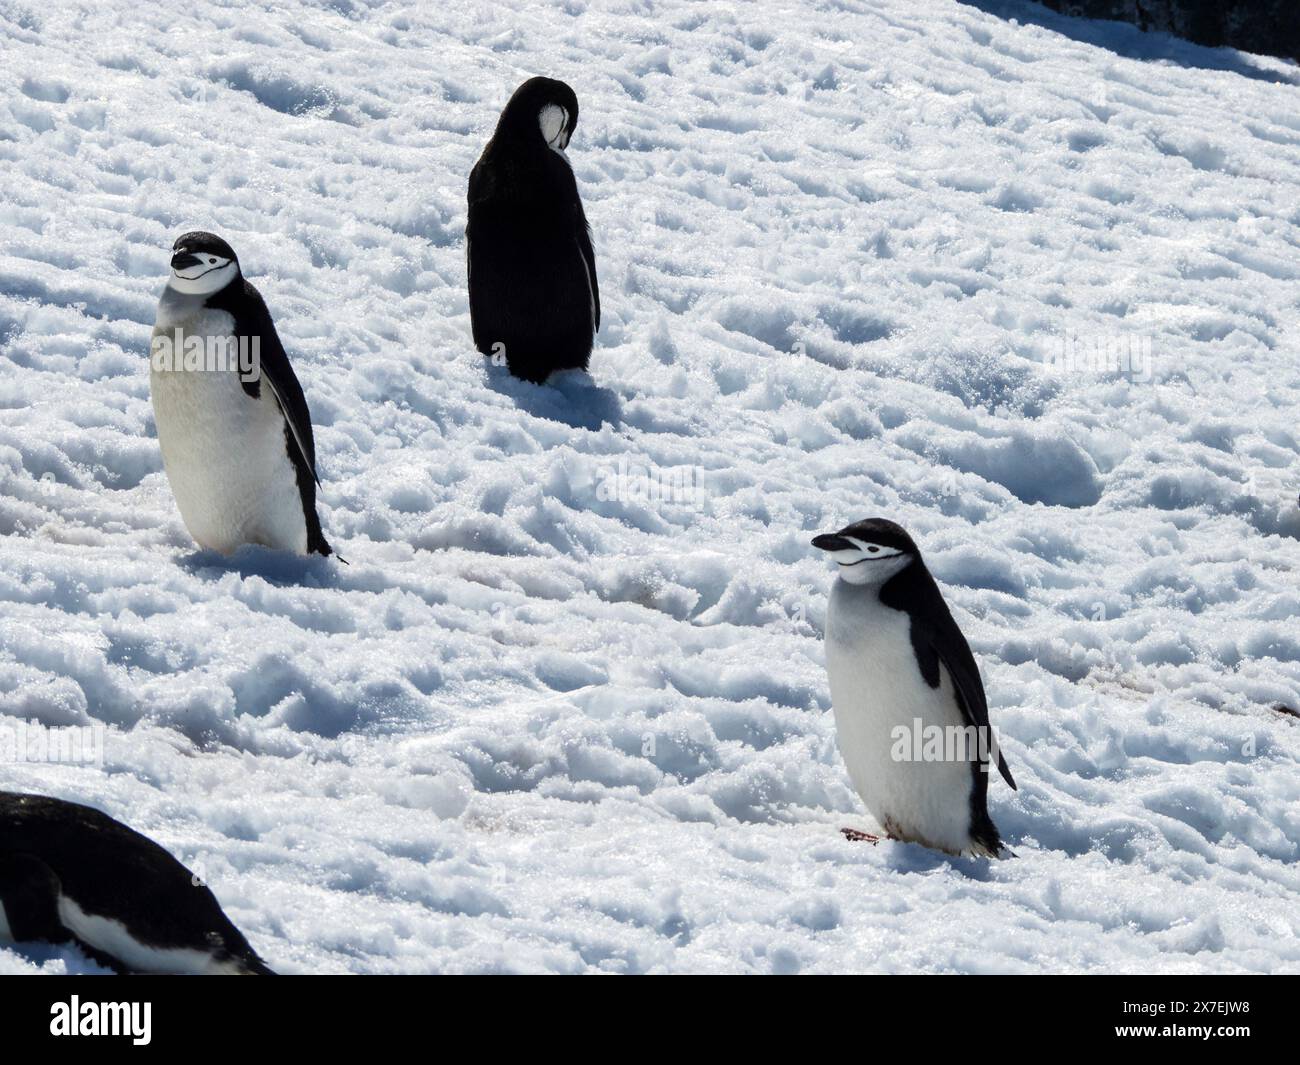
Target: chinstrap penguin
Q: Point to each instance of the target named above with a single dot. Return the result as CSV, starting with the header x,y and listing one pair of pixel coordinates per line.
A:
x,y
71,874
237,446
533,294
896,660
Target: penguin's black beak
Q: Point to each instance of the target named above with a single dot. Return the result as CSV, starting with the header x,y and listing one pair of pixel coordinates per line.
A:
x,y
832,542
183,260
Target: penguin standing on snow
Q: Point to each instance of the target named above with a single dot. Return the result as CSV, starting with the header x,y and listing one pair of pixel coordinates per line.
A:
x,y
70,874
232,421
533,295
897,661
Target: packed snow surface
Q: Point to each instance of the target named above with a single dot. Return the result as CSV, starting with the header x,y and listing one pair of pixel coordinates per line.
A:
x,y
1028,285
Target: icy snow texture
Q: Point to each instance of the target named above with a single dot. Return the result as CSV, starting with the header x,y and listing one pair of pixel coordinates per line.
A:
x,y
535,728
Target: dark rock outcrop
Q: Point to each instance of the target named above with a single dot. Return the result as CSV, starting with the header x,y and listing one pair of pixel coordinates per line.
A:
x,y
1265,27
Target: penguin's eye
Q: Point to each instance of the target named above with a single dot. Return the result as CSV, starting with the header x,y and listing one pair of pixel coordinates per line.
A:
x,y
212,261
873,549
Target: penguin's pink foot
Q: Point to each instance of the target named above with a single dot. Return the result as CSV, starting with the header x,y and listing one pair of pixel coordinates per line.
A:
x,y
854,836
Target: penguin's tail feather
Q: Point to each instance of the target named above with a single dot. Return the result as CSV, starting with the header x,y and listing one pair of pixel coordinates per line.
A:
x,y
255,966
986,847
318,545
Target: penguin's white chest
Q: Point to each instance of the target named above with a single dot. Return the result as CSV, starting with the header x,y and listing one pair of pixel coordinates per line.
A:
x,y
879,694
225,453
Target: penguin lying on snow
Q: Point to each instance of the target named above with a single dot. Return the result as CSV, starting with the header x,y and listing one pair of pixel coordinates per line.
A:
x,y
70,874
237,446
897,660
533,294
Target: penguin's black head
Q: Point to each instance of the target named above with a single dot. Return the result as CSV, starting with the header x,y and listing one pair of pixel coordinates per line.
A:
x,y
870,551
542,111
202,263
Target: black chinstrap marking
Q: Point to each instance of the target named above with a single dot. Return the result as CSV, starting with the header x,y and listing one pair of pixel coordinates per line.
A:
x,y
205,273
870,558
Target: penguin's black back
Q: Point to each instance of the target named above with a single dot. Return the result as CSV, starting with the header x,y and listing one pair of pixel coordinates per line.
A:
x,y
937,638
109,871
533,291
243,302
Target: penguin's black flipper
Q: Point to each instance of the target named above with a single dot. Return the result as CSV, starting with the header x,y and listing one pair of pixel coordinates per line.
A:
x,y
276,370
936,637
29,890
970,688
252,319
589,260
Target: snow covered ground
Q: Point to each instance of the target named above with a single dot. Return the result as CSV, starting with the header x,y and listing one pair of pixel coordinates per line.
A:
x,y
1033,297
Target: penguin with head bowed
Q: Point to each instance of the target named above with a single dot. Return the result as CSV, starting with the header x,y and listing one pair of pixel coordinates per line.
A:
x,y
71,874
533,294
233,424
911,718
